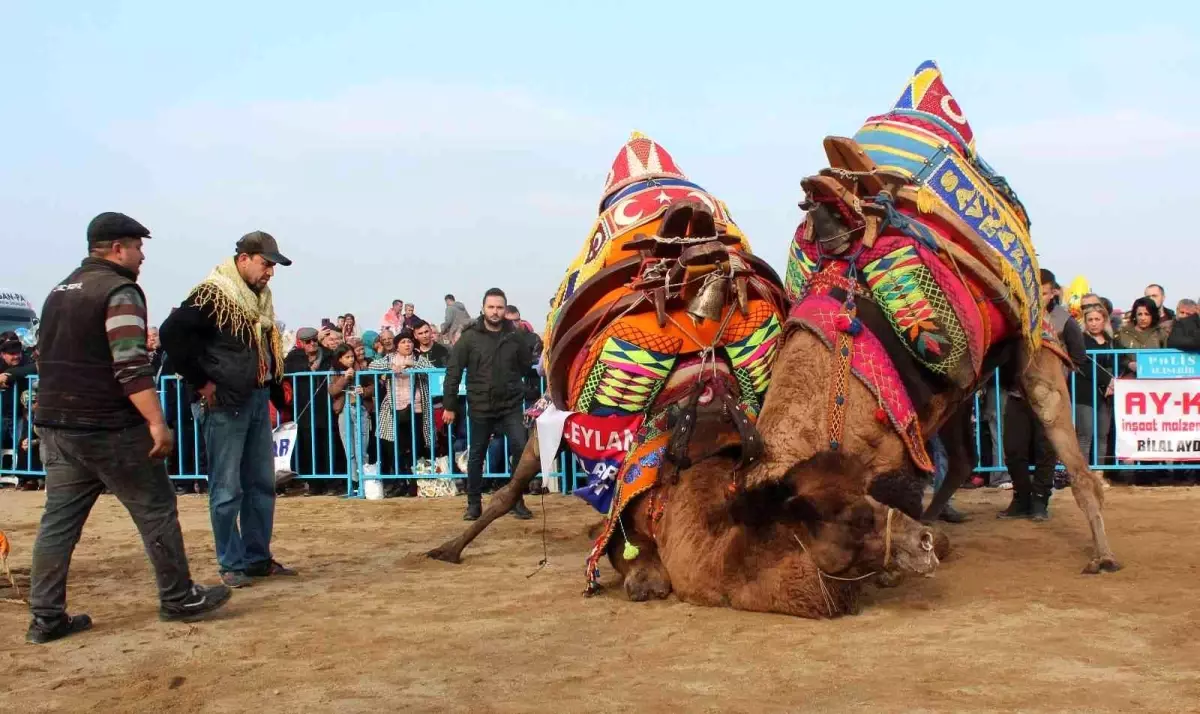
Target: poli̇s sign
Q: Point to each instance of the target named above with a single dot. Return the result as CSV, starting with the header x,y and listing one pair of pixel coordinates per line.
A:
x,y
1158,419
1168,365
437,386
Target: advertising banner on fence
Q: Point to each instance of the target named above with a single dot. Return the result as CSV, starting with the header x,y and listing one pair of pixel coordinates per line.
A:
x,y
1157,419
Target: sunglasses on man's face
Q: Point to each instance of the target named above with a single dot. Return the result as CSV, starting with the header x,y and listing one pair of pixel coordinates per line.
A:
x,y
309,341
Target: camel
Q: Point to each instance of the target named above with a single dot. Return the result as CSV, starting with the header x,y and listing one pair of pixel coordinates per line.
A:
x,y
940,252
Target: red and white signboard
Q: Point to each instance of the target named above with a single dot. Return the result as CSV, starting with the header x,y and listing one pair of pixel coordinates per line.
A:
x,y
1157,419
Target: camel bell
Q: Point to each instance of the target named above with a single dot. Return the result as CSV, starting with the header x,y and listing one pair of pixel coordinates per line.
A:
x,y
710,300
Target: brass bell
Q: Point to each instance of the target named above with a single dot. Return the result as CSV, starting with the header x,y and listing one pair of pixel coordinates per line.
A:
x,y
709,302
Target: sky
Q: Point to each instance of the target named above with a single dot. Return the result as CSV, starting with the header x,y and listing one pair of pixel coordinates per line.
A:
x,y
403,150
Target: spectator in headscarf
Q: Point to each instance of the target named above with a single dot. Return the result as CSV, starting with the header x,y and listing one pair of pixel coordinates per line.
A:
x,y
370,343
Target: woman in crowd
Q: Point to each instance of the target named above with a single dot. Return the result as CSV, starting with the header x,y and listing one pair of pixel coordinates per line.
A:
x,y
349,327
1140,333
370,345
395,409
353,404
1093,386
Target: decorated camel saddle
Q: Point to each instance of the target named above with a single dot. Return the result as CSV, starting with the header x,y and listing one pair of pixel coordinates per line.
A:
x,y
913,260
664,310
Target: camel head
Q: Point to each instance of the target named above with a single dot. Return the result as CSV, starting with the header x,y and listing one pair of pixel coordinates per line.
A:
x,y
847,533
899,543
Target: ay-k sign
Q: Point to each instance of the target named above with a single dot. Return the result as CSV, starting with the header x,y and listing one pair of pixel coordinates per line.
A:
x,y
1158,419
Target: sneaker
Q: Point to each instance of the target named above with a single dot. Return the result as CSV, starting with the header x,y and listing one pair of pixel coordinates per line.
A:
x,y
474,511
200,601
520,511
1006,486
40,632
271,567
234,579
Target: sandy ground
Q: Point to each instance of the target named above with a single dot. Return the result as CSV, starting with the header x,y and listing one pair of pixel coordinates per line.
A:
x,y
1007,624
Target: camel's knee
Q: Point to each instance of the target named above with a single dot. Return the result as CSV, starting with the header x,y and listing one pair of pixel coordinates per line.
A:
x,y
647,581
1087,488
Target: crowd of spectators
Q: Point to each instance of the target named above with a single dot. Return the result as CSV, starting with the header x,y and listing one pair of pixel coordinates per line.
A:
x,y
352,395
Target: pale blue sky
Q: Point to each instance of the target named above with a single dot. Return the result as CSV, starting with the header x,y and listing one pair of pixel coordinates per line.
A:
x,y
406,150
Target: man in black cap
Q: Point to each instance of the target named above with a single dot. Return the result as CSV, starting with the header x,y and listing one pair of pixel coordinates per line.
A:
x,y
224,342
101,426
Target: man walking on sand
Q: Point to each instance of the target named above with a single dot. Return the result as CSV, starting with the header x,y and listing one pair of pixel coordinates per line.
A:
x,y
101,426
495,354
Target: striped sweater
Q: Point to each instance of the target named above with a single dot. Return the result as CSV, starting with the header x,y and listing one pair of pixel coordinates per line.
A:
x,y
125,323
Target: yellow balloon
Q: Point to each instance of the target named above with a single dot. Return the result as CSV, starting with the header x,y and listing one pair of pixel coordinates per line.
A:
x,y
1074,295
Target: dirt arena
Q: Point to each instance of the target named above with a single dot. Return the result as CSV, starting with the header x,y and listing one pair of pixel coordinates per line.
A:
x,y
1007,624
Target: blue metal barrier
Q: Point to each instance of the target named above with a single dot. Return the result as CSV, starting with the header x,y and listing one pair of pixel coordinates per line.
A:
x,y
316,456
1108,361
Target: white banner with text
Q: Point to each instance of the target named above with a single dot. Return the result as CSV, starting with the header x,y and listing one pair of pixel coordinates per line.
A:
x,y
1157,419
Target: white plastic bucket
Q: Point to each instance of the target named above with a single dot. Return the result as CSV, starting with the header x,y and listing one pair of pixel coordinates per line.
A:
x,y
373,488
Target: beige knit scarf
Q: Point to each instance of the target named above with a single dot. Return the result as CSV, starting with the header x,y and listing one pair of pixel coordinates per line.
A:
x,y
245,313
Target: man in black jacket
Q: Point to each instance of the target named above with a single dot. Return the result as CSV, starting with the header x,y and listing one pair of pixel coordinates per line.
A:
x,y
224,342
1185,332
495,354
1024,435
100,425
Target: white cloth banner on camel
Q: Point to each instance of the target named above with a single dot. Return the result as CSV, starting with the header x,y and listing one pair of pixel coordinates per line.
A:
x,y
1157,419
550,425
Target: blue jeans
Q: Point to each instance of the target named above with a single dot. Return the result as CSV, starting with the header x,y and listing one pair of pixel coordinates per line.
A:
x,y
241,482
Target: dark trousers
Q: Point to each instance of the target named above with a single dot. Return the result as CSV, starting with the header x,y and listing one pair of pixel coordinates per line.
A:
x,y
1025,437
510,425
81,464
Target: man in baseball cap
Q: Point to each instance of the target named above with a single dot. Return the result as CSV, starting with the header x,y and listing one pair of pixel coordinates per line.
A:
x,y
262,243
225,343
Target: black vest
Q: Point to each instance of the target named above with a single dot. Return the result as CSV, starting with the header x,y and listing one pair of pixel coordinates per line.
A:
x,y
76,385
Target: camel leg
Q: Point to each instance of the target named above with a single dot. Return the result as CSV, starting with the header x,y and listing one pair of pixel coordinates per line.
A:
x,y
501,503
954,438
1044,386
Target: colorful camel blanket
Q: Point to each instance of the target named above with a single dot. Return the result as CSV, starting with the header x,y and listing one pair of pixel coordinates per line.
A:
x,y
663,305
929,234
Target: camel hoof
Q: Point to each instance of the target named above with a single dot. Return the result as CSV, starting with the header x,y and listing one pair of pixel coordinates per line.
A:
x,y
642,585
444,554
1102,565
